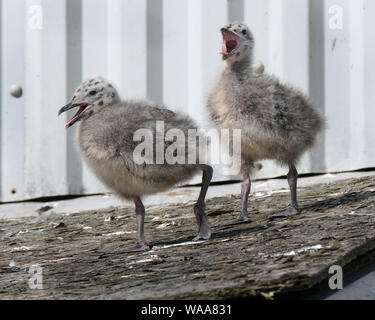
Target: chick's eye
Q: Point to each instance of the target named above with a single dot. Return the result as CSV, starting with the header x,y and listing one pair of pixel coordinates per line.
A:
x,y
244,32
92,93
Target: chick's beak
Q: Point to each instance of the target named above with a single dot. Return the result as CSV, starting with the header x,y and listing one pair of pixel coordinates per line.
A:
x,y
231,42
82,108
66,108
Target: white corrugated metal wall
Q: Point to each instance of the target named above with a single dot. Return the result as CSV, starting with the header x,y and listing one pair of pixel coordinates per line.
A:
x,y
167,50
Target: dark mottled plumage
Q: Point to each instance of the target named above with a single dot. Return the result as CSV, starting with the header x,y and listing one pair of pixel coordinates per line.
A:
x,y
106,142
277,121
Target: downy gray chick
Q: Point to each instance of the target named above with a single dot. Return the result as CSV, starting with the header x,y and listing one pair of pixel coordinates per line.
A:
x,y
277,121
105,140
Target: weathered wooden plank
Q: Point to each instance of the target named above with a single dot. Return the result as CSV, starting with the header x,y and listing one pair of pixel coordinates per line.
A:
x,y
262,258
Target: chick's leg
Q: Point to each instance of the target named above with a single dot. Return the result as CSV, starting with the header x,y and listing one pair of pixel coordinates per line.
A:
x,y
204,230
293,209
244,216
140,216
245,190
292,181
141,244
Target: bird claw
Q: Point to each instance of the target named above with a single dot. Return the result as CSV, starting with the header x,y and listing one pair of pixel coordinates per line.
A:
x,y
138,247
200,238
290,212
203,234
240,220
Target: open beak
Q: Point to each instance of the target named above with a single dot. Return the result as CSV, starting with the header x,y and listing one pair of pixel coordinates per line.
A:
x,y
65,108
82,108
231,42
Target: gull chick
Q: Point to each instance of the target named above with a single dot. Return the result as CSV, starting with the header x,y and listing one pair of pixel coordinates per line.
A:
x,y
277,121
106,143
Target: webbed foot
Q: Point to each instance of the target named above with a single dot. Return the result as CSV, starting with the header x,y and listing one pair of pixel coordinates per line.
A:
x,y
290,212
138,247
203,235
239,220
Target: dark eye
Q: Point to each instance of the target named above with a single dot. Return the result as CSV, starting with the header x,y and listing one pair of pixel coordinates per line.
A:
x,y
244,32
92,93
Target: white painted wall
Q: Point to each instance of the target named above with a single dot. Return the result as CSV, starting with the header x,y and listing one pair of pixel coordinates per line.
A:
x,y
167,50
